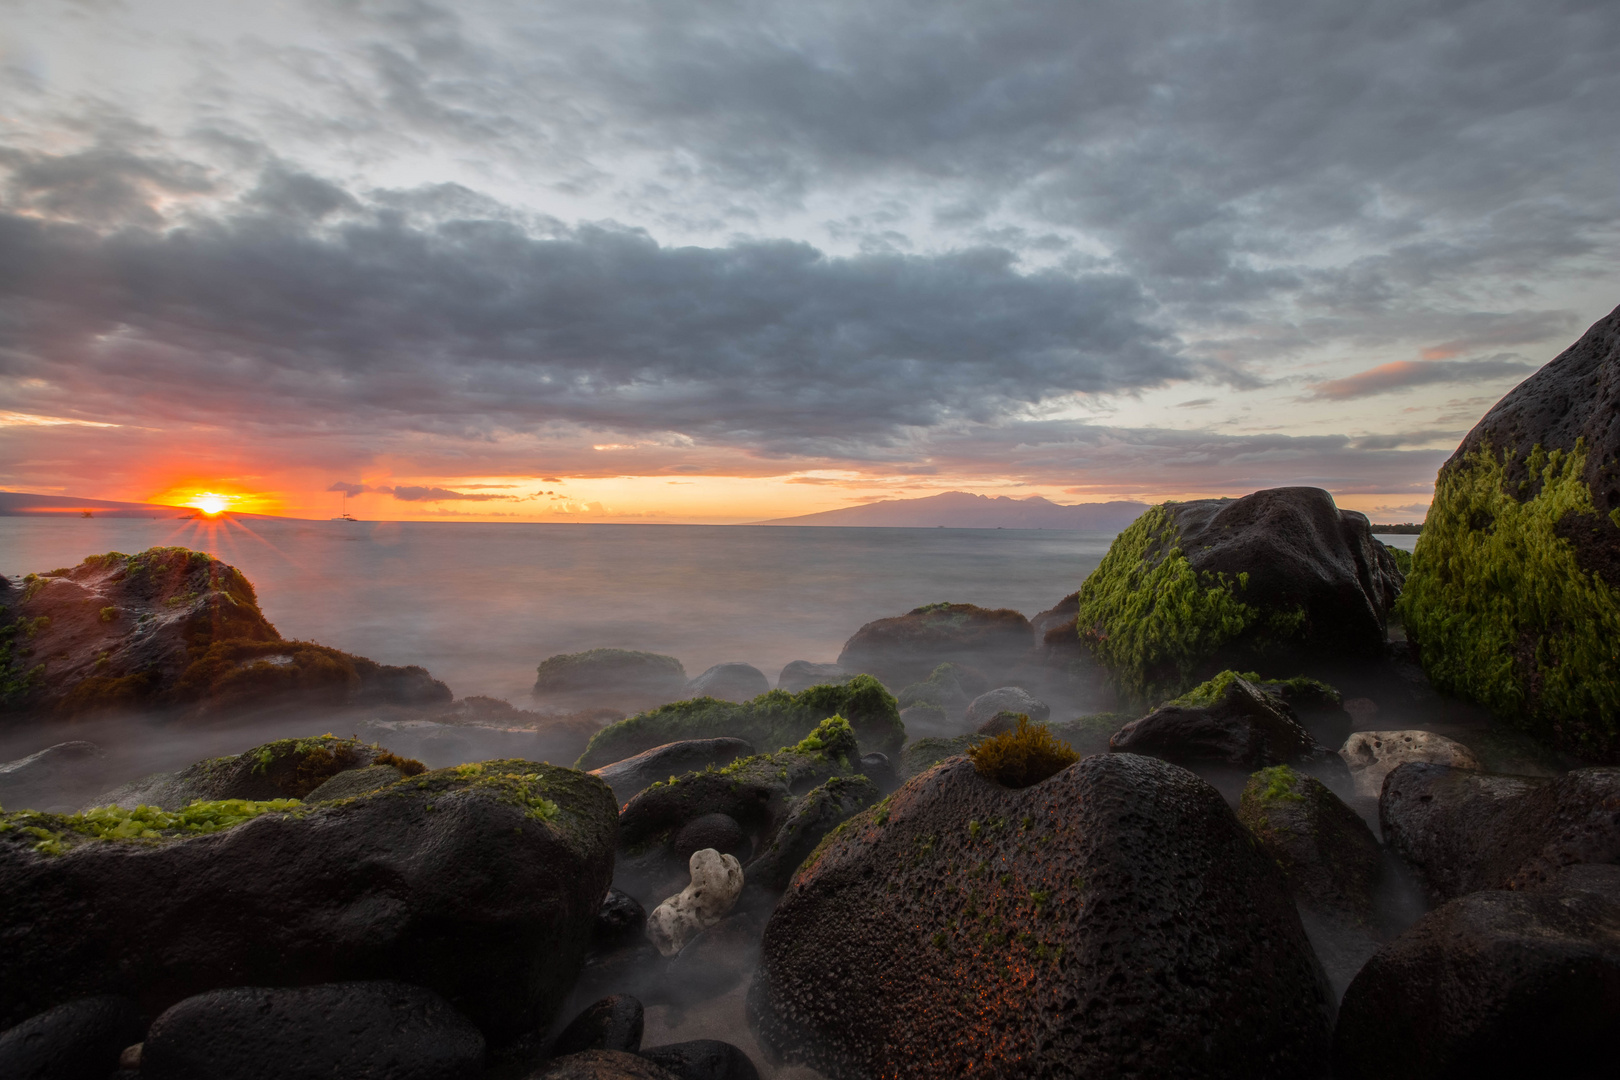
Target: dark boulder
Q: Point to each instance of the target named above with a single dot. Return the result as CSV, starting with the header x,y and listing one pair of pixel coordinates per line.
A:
x,y
1239,724
718,831
616,676
729,682
603,1065
80,1040
356,1030
1532,497
820,811
62,774
1274,579
481,882
354,782
767,722
1462,830
176,630
881,771
1331,859
620,920
905,649
1496,983
802,675
635,774
613,1023
703,1059
1113,919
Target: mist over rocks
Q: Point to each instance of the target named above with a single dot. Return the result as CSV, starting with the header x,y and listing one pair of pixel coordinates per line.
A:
x,y
174,630
730,682
1230,721
620,677
481,882
907,648
1114,917
1270,582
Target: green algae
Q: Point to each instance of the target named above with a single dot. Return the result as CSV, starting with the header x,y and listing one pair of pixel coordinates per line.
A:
x,y
56,833
1300,688
1275,784
1501,612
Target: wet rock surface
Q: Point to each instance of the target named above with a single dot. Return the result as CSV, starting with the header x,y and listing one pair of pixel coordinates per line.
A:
x,y
482,883
78,1040
1496,983
1372,755
1114,918
357,1030
180,631
905,649
1462,831
1327,853
633,775
821,810
355,782
729,682
613,1023
1244,727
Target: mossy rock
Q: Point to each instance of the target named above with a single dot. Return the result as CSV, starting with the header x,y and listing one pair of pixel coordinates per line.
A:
x,y
480,882
1328,854
905,649
609,670
776,718
1273,580
1514,597
175,630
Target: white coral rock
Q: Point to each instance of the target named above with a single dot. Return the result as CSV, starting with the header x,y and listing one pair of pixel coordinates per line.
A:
x,y
717,881
1373,755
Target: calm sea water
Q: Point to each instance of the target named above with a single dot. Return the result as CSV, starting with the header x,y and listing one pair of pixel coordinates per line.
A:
x,y
480,605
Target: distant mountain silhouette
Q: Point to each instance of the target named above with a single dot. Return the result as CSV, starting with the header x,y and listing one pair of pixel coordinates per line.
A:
x,y
962,510
26,504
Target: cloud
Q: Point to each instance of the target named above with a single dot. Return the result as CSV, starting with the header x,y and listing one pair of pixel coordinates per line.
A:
x,y
407,493
1400,374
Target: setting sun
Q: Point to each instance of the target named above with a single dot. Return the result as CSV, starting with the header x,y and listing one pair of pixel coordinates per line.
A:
x,y
210,503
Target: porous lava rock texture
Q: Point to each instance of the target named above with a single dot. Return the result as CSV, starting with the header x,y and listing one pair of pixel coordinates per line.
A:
x,y
1267,583
1461,830
1496,983
1327,853
1113,919
905,649
481,882
603,1065
171,629
1373,755
1532,497
1244,726
730,682
78,1040
356,1030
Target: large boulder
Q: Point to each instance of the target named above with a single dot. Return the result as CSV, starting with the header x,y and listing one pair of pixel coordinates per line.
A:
x,y
640,771
172,629
1267,582
284,769
1373,755
1462,831
729,682
770,720
1011,699
799,675
1228,721
1331,859
481,882
602,676
1113,919
356,1030
905,649
1514,598
1495,983
78,1040
64,773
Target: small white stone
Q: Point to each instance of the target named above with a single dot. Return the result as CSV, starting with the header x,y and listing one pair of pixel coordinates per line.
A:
x,y
1373,755
717,881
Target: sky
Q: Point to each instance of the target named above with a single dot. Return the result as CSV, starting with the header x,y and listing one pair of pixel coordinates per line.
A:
x,y
661,260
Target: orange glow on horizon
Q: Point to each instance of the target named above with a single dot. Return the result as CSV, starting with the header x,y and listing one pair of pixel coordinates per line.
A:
x,y
210,503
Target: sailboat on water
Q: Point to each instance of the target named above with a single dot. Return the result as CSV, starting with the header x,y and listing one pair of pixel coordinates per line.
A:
x,y
346,515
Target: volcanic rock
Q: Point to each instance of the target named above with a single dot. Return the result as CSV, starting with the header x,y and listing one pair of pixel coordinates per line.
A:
x,y
613,1023
703,1059
1327,853
1242,725
1266,582
348,784
1462,831
1012,699
1495,983
905,649
802,675
176,630
1114,919
53,775
481,883
621,919
1372,755
603,1065
611,675
730,682
356,1030
79,1040
815,815
635,774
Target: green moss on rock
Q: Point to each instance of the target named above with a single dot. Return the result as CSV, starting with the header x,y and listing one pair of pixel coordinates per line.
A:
x,y
776,718
1301,689
1501,612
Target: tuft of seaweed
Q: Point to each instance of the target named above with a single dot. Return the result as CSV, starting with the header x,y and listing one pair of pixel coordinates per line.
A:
x,y
1024,756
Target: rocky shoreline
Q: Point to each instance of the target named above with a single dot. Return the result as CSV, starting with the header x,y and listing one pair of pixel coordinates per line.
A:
x,y
1173,826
